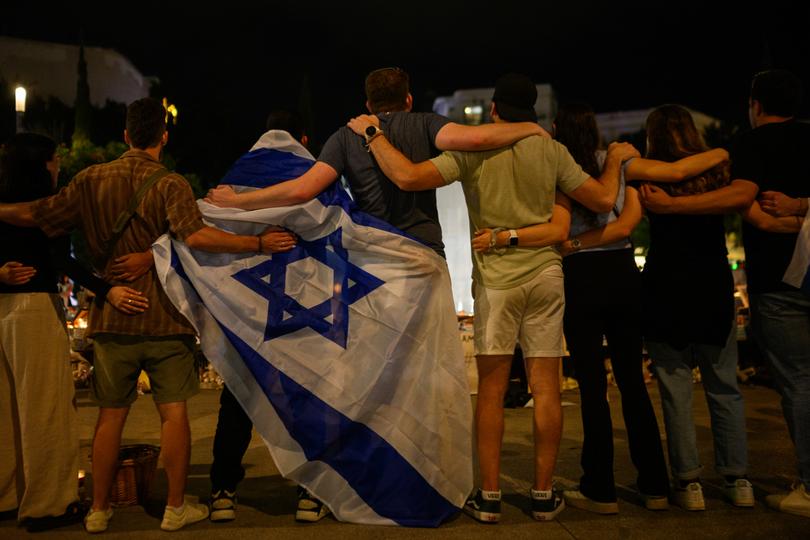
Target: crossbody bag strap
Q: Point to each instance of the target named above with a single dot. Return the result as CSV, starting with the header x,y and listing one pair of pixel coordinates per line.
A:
x,y
126,216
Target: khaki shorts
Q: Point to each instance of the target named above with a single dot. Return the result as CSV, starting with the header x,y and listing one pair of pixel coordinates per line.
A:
x,y
530,314
118,360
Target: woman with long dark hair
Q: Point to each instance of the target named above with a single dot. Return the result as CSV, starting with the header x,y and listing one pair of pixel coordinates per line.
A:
x,y
689,320
39,444
603,298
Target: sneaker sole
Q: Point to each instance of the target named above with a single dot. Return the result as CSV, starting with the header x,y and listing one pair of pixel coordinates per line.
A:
x,y
95,530
742,503
310,516
96,527
226,514
656,504
548,516
692,508
593,506
175,526
794,511
483,517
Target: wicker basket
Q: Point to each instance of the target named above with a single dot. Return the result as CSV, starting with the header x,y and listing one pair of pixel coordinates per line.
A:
x,y
136,470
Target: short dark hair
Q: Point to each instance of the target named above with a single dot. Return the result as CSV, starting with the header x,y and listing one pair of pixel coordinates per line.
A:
x,y
287,121
23,174
387,89
146,122
778,91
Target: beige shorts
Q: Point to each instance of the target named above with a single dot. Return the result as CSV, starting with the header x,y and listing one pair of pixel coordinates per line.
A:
x,y
530,314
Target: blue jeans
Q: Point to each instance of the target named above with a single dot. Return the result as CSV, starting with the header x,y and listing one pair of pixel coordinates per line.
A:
x,y
781,324
718,369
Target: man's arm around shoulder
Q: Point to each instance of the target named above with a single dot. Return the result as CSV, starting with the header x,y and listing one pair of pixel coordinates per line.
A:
x,y
735,197
407,175
485,137
298,190
18,214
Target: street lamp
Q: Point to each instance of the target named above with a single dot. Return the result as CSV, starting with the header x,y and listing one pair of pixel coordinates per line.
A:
x,y
19,107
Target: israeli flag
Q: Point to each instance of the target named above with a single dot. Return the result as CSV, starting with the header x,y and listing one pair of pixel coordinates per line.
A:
x,y
344,352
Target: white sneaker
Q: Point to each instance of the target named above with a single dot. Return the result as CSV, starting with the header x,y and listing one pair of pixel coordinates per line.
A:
x,y
740,493
796,502
177,518
577,499
96,521
690,497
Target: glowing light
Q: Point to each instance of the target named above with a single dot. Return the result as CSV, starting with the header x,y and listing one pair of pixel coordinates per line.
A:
x,y
19,95
171,110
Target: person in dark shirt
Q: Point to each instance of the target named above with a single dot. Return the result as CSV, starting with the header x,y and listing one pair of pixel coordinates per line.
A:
x,y
608,303
30,269
234,426
770,160
687,260
420,136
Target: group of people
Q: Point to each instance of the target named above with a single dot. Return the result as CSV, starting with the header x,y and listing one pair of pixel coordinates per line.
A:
x,y
551,217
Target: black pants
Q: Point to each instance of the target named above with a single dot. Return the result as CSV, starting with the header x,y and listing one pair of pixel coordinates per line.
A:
x,y
602,296
234,429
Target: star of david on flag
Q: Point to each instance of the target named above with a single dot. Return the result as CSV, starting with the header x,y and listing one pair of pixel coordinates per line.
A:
x,y
344,352
285,314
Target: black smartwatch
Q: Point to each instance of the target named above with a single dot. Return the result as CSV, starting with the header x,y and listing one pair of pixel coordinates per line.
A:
x,y
372,132
513,238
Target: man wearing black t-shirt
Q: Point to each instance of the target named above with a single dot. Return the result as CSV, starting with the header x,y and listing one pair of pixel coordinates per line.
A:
x,y
772,159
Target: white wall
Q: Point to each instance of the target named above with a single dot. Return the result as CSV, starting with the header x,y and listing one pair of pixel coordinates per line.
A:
x,y
50,69
456,234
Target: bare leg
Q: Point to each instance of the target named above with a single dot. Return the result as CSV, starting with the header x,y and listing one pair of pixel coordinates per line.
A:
x,y
175,441
493,379
545,385
106,444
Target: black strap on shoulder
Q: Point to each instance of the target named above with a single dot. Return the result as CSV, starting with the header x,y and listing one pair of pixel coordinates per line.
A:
x,y
126,216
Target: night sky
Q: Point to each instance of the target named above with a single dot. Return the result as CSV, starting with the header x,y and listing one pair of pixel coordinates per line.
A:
x,y
226,67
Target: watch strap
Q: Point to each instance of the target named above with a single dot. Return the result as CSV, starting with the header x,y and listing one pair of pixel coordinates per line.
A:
x,y
513,238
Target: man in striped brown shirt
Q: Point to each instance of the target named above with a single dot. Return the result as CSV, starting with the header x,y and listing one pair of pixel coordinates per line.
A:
x,y
160,340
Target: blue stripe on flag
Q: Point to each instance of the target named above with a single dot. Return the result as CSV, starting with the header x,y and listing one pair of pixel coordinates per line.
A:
x,y
265,167
385,480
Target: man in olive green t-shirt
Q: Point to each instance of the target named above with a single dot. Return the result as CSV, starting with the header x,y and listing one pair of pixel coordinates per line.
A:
x,y
510,194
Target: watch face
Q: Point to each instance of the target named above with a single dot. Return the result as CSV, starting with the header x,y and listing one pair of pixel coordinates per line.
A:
x,y
371,130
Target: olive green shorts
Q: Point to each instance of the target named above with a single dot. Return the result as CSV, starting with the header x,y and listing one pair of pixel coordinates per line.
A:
x,y
118,360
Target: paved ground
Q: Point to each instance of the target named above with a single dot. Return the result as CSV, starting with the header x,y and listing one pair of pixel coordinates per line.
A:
x,y
267,501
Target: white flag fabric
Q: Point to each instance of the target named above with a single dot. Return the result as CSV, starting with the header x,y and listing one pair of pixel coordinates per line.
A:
x,y
344,352
798,271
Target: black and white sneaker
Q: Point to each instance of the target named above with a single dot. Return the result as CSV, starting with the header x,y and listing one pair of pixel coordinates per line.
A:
x,y
310,509
223,505
546,504
484,506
